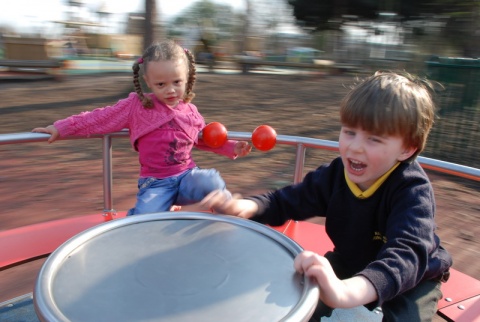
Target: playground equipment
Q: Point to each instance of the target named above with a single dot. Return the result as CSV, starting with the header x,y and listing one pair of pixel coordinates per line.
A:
x,y
70,240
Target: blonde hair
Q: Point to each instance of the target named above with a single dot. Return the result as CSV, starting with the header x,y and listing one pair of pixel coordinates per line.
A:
x,y
393,104
166,50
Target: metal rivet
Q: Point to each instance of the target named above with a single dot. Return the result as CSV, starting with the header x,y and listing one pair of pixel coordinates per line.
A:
x,y
461,307
448,299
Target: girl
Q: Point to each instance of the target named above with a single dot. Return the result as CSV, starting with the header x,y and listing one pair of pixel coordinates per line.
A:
x,y
164,127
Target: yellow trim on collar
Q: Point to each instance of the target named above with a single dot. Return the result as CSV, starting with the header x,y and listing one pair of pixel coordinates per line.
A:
x,y
370,191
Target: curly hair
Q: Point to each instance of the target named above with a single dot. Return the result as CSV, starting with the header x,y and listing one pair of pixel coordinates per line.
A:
x,y
165,50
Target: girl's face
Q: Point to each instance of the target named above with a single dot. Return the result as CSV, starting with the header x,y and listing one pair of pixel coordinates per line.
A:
x,y
367,156
167,80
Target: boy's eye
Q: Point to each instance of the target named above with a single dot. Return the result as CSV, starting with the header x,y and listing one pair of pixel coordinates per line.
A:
x,y
375,139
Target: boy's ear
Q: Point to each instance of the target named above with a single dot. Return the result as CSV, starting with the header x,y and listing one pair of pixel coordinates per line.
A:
x,y
407,153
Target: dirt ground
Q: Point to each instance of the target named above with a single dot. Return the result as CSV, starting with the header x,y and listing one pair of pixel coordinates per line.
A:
x,y
40,182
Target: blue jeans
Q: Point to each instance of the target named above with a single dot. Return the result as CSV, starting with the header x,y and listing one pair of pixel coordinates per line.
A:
x,y
156,195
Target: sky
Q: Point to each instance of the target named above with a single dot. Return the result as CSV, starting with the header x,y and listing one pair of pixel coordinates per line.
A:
x,y
28,14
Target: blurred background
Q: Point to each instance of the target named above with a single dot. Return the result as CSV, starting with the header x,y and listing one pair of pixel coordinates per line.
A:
x,y
342,30
439,39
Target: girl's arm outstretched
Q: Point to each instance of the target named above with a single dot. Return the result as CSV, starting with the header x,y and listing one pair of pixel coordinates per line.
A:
x,y
52,130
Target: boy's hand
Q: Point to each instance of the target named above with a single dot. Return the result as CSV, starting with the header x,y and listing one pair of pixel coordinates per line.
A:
x,y
320,270
334,292
242,148
52,130
223,203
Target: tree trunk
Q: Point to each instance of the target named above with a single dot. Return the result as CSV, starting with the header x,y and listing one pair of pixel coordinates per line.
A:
x,y
150,22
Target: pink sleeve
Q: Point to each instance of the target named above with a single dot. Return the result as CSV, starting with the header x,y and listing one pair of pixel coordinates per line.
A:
x,y
99,121
228,149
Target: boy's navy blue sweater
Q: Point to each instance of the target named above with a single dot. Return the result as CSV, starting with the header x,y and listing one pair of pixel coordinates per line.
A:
x,y
388,238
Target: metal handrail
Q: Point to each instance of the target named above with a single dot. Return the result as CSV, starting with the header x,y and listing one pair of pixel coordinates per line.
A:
x,y
301,144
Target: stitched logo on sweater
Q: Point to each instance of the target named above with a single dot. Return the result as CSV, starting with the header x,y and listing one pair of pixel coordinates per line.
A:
x,y
377,236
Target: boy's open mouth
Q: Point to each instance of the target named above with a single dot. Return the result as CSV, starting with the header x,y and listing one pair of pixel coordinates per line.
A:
x,y
356,165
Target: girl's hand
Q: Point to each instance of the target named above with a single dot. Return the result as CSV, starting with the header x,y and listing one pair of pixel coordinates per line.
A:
x,y
223,203
52,130
242,148
334,292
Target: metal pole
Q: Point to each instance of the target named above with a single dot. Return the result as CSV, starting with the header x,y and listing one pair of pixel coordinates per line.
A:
x,y
299,163
108,211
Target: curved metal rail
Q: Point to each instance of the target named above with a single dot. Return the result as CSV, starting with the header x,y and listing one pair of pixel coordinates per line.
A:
x,y
301,144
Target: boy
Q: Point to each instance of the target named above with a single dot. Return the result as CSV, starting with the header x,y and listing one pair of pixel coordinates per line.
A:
x,y
378,203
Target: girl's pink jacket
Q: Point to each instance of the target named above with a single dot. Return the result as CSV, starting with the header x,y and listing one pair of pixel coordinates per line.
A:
x,y
130,114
